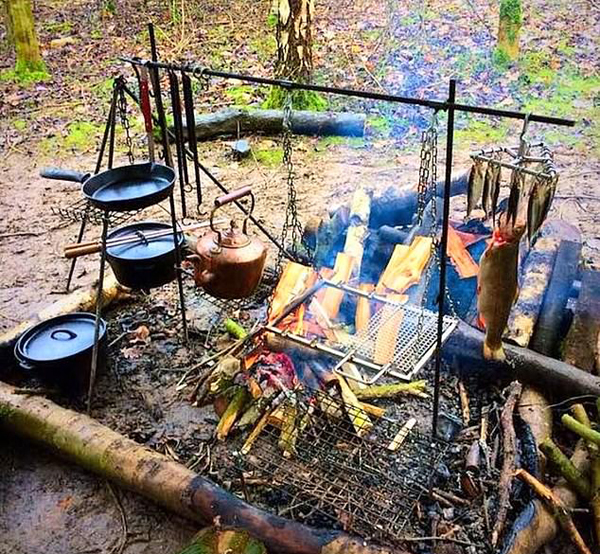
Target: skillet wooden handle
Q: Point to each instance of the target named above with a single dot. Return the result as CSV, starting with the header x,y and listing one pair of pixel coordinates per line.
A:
x,y
232,196
82,250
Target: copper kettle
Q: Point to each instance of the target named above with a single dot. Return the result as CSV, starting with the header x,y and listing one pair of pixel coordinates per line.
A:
x,y
229,264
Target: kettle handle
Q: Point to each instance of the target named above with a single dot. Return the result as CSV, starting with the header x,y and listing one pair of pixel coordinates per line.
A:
x,y
233,196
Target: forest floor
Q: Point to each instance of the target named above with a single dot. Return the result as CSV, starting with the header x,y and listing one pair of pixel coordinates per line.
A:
x,y
409,48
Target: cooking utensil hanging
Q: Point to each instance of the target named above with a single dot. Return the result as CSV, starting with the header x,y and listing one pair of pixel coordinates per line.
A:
x,y
146,110
190,123
92,247
129,187
184,182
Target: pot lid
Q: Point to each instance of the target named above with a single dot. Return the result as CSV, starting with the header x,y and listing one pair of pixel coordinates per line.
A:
x,y
142,250
233,237
59,337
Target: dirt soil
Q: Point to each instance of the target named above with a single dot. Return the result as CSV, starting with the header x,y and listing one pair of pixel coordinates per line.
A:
x,y
410,49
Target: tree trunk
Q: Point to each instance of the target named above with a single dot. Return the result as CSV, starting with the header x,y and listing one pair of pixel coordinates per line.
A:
x,y
511,17
294,40
24,37
7,24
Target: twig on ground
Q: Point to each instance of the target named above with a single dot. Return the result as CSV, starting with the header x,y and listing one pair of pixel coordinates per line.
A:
x,y
509,446
125,530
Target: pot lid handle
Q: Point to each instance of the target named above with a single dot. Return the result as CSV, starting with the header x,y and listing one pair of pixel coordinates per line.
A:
x,y
63,334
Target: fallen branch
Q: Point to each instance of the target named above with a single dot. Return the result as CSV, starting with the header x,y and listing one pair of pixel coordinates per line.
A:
x,y
509,444
559,510
583,431
566,468
415,388
97,448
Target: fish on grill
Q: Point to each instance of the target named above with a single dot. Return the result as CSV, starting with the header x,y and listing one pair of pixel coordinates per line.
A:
x,y
540,201
475,186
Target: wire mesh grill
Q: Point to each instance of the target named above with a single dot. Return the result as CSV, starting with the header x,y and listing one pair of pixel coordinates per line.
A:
x,y
82,210
402,336
344,471
256,300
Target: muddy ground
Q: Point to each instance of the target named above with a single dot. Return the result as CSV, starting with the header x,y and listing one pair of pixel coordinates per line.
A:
x,y
46,504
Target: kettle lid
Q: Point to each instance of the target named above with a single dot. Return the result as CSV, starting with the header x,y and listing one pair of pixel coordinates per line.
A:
x,y
234,237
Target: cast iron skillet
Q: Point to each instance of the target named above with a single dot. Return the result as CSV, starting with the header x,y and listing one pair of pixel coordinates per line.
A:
x,y
130,187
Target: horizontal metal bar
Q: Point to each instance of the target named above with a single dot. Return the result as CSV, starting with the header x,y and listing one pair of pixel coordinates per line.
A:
x,y
291,85
322,348
358,292
508,165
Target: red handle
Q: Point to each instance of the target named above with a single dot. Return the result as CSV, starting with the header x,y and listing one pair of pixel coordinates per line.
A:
x,y
145,99
232,196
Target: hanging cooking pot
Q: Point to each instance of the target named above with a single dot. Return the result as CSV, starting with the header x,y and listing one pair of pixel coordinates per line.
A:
x,y
59,350
229,264
125,188
148,263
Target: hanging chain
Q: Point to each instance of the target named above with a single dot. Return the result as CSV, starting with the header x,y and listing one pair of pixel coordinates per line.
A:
x,y
125,122
292,229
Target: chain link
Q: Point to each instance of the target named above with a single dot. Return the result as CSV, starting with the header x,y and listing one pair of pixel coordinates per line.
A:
x,y
125,122
291,231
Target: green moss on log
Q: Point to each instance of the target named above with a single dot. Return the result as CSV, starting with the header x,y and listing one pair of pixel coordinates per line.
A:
x,y
301,100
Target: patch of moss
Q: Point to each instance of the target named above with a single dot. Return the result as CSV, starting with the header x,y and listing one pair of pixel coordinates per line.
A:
x,y
5,411
82,135
58,27
26,73
379,125
301,100
272,20
352,142
481,132
96,34
20,124
264,46
270,157
242,95
536,67
501,59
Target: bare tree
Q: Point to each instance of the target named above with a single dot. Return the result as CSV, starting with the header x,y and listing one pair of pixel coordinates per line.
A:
x,y
21,32
294,39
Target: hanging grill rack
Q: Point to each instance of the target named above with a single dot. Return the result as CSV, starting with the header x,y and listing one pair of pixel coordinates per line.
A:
x,y
82,210
357,481
548,170
411,345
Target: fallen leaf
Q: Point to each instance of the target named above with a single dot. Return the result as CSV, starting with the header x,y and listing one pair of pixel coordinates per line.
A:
x,y
140,335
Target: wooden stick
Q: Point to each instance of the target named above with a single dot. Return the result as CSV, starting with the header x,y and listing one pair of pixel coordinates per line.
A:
x,y
401,435
415,388
583,431
580,414
573,476
464,403
560,512
509,444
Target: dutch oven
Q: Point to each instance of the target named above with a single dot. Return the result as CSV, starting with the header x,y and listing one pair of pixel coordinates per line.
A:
x,y
59,350
145,264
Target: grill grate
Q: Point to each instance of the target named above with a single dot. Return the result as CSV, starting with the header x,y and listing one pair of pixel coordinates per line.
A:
x,y
408,332
83,210
349,479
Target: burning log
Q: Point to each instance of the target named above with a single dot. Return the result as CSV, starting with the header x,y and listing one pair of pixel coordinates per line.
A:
x,y
406,265
559,510
97,448
535,412
463,351
356,234
332,297
460,257
233,121
363,308
294,279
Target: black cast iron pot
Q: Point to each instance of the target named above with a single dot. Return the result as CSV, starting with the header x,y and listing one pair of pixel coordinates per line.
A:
x,y
147,263
58,351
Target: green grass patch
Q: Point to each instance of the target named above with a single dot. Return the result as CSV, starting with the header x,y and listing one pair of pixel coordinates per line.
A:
x,y
26,74
265,47
481,132
82,135
379,125
270,157
327,142
58,27
20,124
242,95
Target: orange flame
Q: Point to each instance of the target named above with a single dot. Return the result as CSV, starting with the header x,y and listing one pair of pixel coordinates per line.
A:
x,y
300,322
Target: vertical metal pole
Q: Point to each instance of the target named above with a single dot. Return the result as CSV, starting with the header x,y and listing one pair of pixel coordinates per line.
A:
x,y
443,250
179,270
94,367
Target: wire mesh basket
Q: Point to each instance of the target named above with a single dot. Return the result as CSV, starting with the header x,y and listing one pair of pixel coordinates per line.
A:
x,y
82,210
360,473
